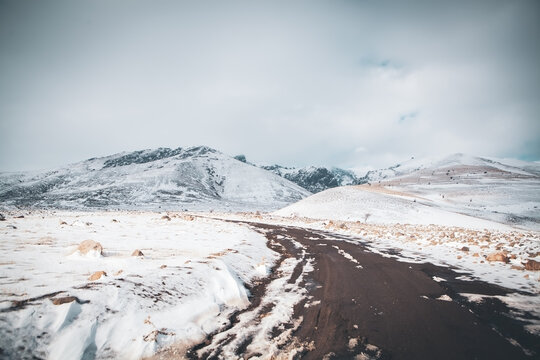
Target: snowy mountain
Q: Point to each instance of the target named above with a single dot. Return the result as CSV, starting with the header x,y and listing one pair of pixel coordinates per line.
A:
x,y
315,179
461,162
196,178
434,191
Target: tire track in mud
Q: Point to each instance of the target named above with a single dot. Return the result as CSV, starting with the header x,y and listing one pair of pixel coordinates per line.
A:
x,y
362,305
219,344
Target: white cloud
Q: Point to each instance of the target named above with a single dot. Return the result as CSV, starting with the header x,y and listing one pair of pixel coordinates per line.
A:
x,y
293,83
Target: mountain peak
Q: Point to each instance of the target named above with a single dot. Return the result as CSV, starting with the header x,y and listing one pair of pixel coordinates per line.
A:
x,y
149,155
195,178
315,178
141,157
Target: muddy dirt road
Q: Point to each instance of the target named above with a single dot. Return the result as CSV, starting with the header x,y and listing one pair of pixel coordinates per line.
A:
x,y
362,305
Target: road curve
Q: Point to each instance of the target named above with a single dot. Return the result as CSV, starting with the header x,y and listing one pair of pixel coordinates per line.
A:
x,y
362,305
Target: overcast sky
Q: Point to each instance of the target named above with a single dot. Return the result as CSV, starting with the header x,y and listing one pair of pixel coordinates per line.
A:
x,y
343,83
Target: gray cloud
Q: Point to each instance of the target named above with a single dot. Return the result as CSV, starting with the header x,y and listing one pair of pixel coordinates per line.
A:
x,y
345,83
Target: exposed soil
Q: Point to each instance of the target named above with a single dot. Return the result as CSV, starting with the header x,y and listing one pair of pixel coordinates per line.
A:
x,y
380,308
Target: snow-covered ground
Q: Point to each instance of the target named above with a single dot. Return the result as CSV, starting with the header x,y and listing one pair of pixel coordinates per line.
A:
x,y
500,190
192,275
365,204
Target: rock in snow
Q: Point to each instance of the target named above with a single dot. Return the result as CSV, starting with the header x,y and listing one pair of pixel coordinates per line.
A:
x,y
88,246
498,257
137,252
97,275
532,265
63,300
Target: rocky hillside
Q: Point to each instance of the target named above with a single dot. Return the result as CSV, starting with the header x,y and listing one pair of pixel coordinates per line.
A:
x,y
196,178
315,179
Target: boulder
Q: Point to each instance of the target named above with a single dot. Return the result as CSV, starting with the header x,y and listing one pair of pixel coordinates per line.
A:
x,y
532,265
498,256
90,245
63,300
97,275
137,252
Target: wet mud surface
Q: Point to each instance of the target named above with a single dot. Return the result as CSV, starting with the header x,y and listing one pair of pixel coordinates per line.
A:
x,y
366,306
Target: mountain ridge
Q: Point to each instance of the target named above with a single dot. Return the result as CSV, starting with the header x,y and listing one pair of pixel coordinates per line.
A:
x,y
195,178
456,159
315,178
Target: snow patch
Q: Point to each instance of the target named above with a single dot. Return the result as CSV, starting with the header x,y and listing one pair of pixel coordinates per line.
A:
x,y
190,281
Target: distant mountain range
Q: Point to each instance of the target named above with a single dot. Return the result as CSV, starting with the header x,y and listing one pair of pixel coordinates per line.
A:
x,y
315,179
202,178
434,190
192,178
426,167
311,178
